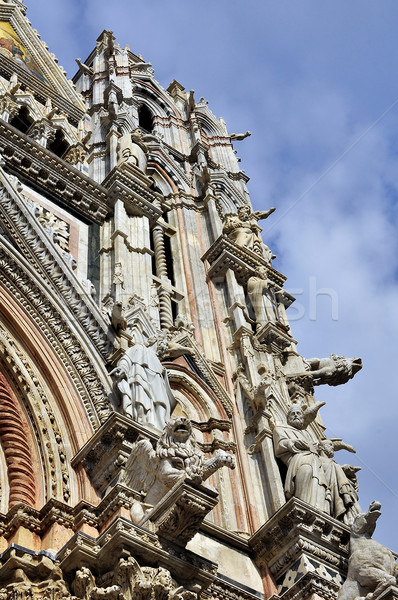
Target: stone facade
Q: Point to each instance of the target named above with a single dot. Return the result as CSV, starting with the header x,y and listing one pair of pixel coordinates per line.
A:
x,y
159,434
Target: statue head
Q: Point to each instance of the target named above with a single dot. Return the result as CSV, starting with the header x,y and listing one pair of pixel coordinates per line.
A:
x,y
177,431
364,524
244,212
261,272
295,416
326,446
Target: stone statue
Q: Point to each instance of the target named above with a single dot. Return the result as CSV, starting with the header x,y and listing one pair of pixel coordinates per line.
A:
x,y
260,294
177,457
344,498
334,370
142,381
305,478
130,151
242,228
371,566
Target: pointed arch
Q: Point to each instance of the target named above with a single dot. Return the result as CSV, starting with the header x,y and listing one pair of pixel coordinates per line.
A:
x,y
57,422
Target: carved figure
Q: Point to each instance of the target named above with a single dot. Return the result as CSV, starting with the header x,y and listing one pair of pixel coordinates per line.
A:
x,y
257,394
344,498
118,319
142,381
177,457
242,228
371,566
305,478
131,152
260,294
334,370
182,322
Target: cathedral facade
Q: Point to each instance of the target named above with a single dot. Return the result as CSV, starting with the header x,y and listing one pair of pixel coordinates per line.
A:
x,y
159,433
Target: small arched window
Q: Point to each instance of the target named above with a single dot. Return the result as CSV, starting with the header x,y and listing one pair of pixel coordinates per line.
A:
x,y
145,118
59,145
22,120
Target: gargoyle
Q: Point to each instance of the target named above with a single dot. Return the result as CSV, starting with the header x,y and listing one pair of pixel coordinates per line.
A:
x,y
333,370
177,457
371,566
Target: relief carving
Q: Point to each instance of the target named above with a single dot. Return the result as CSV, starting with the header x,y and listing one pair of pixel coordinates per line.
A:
x,y
130,581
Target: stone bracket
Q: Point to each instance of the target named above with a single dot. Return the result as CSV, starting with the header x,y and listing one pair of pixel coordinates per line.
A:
x,y
224,254
104,455
181,512
275,335
300,539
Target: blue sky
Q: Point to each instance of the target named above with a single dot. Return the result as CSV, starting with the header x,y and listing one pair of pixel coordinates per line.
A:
x,y
316,83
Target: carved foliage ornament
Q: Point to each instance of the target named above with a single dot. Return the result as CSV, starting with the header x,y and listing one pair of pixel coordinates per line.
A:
x,y
130,581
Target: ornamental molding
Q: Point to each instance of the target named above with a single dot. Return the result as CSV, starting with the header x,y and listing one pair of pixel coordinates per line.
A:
x,y
49,263
59,328
224,254
57,178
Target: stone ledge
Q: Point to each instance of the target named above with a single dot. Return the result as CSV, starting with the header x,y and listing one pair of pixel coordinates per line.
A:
x,y
54,177
224,254
298,529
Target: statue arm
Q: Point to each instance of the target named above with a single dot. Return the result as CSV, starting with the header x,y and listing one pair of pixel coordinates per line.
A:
x,y
229,225
338,444
263,214
311,412
122,369
283,445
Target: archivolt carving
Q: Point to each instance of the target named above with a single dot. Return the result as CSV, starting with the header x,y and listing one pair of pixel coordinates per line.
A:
x,y
16,449
59,333
36,249
44,422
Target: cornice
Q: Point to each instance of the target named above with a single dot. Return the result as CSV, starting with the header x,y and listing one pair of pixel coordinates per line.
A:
x,y
28,235
56,178
224,254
